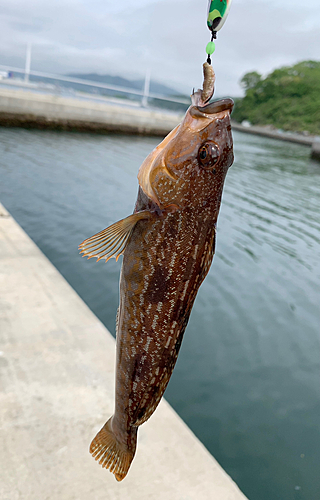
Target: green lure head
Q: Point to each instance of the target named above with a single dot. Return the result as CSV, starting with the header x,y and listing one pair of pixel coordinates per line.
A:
x,y
218,11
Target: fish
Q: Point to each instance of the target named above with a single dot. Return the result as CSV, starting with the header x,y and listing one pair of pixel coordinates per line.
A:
x,y
167,243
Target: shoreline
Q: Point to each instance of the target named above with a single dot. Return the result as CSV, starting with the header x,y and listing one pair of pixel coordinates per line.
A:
x,y
31,110
21,108
274,134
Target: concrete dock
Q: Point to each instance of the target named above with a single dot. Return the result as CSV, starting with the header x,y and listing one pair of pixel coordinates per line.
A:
x,y
57,390
315,150
274,134
25,108
33,109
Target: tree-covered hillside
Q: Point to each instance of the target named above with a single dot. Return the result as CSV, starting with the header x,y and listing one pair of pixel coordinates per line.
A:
x,y
288,98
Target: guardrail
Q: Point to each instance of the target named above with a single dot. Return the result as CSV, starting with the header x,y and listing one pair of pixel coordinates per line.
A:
x,y
92,83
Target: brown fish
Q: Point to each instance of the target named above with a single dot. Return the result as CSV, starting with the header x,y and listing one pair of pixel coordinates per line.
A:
x,y
167,245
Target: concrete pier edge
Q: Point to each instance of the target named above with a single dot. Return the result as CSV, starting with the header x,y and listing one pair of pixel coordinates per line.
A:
x,y
27,109
47,111
315,150
57,378
273,134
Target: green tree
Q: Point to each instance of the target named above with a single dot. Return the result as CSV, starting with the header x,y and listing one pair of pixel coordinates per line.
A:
x,y
250,80
288,98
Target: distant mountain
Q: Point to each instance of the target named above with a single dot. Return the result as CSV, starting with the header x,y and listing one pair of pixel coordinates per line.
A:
x,y
155,87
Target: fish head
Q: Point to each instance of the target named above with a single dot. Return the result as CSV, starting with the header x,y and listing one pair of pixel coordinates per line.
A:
x,y
189,166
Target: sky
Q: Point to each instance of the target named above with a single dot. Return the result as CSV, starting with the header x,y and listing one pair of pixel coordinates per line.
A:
x,y
166,37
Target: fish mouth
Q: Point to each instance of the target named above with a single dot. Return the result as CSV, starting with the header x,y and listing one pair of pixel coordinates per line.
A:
x,y
216,107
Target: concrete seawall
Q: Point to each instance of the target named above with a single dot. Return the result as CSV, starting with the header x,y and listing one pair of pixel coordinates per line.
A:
x,y
30,109
35,110
315,151
274,134
57,379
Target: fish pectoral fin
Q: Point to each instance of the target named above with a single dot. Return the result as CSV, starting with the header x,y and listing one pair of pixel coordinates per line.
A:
x,y
112,241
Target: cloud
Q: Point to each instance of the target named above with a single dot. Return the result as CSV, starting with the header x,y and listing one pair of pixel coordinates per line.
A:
x,y
167,37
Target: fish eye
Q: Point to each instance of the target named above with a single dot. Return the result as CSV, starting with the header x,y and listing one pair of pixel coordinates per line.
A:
x,y
209,155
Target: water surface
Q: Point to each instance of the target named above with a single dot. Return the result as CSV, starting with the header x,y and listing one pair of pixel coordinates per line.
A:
x,y
247,377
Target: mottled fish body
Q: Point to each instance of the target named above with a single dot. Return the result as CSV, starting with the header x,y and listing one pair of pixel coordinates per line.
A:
x,y
167,245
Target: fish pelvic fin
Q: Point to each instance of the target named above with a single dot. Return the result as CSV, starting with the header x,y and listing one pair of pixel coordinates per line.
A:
x,y
112,241
112,454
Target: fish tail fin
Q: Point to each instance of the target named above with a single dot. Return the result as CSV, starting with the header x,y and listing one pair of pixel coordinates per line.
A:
x,y
112,454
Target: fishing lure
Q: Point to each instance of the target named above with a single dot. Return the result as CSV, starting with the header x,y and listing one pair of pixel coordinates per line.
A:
x,y
218,11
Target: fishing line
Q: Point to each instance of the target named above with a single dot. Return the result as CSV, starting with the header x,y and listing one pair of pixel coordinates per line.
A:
x,y
218,11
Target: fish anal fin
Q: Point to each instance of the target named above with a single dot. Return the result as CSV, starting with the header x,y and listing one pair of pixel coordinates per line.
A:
x,y
112,454
112,241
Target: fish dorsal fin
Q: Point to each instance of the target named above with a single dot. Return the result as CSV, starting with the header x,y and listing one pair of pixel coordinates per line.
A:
x,y
112,241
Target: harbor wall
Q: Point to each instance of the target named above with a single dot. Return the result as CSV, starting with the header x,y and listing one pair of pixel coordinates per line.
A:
x,y
315,151
35,110
25,108
274,134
